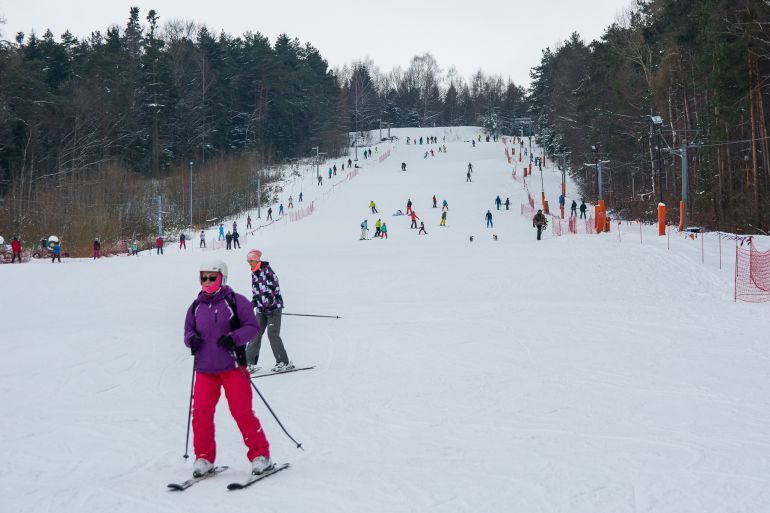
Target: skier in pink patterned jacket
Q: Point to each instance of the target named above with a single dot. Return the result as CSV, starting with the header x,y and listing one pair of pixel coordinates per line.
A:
x,y
217,328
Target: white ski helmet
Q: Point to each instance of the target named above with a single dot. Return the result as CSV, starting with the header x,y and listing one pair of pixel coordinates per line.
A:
x,y
214,265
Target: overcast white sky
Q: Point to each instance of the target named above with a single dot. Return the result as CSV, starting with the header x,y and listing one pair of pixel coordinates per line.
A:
x,y
504,38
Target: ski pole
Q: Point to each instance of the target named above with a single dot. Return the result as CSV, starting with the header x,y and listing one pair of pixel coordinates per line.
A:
x,y
299,445
189,409
311,315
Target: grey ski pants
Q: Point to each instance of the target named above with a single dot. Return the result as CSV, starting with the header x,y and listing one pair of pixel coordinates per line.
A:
x,y
270,321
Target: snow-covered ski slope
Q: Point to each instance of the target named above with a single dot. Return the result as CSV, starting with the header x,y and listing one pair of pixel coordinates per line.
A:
x,y
574,374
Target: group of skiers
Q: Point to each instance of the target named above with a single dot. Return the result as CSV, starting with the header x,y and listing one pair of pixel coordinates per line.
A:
x,y
224,335
428,140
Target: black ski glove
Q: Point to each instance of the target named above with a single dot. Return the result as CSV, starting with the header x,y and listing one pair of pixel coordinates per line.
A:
x,y
226,342
195,343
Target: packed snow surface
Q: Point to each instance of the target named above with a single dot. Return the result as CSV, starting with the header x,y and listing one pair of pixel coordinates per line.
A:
x,y
583,373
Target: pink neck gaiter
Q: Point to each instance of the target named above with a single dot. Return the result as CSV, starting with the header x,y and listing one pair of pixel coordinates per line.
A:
x,y
211,288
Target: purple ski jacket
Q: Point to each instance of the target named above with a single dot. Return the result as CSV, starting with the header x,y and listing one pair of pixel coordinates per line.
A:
x,y
211,321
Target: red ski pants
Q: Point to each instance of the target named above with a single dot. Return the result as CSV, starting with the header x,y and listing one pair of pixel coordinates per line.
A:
x,y
238,393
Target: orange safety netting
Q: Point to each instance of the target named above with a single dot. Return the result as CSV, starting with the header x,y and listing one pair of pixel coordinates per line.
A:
x,y
752,274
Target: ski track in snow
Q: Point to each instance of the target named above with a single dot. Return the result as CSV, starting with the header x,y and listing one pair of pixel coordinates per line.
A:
x,y
574,374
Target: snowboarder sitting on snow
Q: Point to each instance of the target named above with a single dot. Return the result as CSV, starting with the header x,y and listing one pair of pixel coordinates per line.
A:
x,y
539,222
217,327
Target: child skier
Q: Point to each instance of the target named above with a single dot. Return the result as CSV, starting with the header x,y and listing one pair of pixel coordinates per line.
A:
x,y
384,231
422,229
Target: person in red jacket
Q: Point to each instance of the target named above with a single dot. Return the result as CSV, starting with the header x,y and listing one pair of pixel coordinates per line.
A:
x,y
159,246
15,250
414,217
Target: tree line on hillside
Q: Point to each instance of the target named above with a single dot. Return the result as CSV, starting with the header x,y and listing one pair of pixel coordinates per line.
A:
x,y
668,74
94,130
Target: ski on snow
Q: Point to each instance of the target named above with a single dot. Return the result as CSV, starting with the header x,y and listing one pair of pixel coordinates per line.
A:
x,y
178,487
253,479
270,373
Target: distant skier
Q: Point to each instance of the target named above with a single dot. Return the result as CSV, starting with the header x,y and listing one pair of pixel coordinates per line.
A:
x,y
56,253
320,180
159,246
15,250
403,166
350,163
229,239
539,222
334,168
235,226
217,341
135,248
373,207
280,209
384,231
268,301
561,201
221,232
97,249
408,206
470,168
236,236
444,205
443,218
583,209
300,197
468,177
364,229
498,202
248,222
291,202
488,217
434,201
330,173
203,240
378,228
182,243
414,217
269,213
573,209
422,229
507,203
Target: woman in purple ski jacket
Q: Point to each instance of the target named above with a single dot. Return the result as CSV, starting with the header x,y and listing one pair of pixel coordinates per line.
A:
x,y
217,328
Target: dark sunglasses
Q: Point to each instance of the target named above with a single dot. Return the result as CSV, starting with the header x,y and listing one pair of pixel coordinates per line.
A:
x,y
211,279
